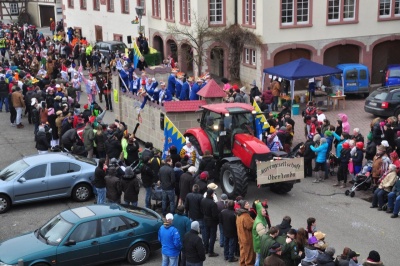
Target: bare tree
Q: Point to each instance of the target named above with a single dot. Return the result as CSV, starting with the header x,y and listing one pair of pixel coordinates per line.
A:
x,y
198,34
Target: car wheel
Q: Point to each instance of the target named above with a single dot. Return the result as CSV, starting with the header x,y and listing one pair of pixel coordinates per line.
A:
x,y
138,254
5,203
82,192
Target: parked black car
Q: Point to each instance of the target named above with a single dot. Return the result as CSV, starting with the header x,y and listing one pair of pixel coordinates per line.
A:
x,y
385,101
110,46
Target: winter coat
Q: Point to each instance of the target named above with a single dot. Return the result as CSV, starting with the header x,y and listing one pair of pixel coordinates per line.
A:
x,y
202,185
17,99
100,140
284,227
358,157
345,123
370,150
274,260
308,153
132,151
113,148
207,163
276,88
324,259
193,206
99,175
69,137
339,144
182,223
244,225
155,165
377,133
388,181
266,242
368,263
259,227
88,137
167,177
185,185
193,247
267,97
227,219
113,185
170,240
345,156
321,152
3,89
290,254
42,144
147,176
210,211
130,186
377,166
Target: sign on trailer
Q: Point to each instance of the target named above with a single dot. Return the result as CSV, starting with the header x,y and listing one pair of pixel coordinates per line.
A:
x,y
280,170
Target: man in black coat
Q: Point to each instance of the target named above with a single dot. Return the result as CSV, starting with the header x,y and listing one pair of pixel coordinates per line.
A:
x,y
309,155
227,219
186,183
3,94
193,245
113,147
42,144
210,210
193,207
167,180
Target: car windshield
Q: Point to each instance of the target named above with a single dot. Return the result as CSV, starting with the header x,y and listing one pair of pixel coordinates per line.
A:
x,y
84,159
119,47
55,230
379,95
11,171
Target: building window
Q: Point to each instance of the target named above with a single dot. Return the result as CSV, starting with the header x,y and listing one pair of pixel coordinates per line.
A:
x,y
249,12
185,11
96,5
342,11
295,12
125,6
83,4
71,3
143,4
170,10
216,11
389,9
118,37
110,5
14,9
156,8
250,57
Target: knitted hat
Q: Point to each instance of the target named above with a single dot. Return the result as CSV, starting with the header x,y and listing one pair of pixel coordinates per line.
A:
x,y
204,175
192,169
374,256
224,197
275,247
385,143
195,226
328,133
128,171
169,217
312,240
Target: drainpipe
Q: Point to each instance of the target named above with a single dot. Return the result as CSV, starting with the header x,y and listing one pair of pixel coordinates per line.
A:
x,y
236,12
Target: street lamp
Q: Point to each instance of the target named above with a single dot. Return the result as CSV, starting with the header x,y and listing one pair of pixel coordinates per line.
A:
x,y
139,13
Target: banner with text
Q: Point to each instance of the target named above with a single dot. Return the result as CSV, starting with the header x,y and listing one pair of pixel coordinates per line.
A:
x,y
280,170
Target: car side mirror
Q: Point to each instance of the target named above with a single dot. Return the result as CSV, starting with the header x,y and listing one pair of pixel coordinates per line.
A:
x,y
22,180
70,243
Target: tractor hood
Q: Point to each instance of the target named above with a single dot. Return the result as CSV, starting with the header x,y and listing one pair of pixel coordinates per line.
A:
x,y
249,148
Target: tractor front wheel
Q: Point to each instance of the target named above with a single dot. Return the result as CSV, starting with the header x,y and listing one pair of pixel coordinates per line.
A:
x,y
281,188
233,177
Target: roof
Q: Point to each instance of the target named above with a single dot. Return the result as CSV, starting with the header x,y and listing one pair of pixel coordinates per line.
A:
x,y
211,90
57,157
73,215
183,106
226,108
350,65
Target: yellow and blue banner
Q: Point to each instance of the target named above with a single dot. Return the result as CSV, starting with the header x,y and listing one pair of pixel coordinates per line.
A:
x,y
261,121
136,54
173,137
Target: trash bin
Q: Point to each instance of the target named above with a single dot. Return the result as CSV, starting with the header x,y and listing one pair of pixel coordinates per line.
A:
x,y
296,109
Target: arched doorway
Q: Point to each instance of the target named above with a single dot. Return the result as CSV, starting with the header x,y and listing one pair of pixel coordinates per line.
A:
x,y
158,44
172,49
186,55
341,54
217,62
384,54
289,55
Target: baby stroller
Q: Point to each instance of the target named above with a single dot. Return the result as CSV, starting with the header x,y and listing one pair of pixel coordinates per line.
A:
x,y
332,160
156,195
295,151
362,180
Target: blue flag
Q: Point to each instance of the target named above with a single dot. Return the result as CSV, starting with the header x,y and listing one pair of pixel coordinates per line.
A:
x,y
136,54
261,122
173,137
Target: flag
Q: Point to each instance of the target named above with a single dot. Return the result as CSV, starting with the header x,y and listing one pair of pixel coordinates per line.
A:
x,y
261,121
136,54
115,95
118,65
173,137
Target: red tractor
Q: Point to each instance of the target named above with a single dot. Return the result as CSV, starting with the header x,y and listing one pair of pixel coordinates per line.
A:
x,y
227,131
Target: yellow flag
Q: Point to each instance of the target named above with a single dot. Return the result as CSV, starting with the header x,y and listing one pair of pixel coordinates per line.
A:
x,y
115,95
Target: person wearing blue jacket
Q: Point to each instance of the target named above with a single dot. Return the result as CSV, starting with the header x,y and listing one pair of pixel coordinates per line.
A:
x,y
183,224
185,90
358,157
178,85
172,82
341,139
320,161
329,139
170,240
195,89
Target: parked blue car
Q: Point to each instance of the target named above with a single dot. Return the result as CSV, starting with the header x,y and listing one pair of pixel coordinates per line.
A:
x,y
354,79
90,235
46,176
391,75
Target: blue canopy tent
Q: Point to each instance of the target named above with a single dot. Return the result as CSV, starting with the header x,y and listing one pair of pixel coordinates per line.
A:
x,y
299,69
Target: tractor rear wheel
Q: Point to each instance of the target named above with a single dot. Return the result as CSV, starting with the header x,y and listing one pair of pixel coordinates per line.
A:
x,y
234,179
281,188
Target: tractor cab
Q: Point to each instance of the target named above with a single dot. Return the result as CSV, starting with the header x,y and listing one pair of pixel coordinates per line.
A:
x,y
221,128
